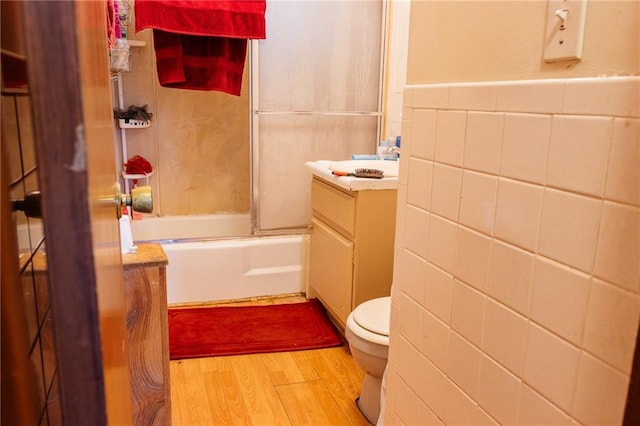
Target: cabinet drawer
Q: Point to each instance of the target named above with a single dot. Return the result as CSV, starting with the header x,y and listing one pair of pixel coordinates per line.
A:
x,y
336,207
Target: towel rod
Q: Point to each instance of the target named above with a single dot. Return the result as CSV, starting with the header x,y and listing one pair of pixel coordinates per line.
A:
x,y
326,113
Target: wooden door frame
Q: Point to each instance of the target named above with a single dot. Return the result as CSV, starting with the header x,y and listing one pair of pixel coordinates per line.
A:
x,y
632,409
54,78
55,82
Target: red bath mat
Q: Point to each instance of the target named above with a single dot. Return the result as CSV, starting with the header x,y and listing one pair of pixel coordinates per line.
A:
x,y
234,330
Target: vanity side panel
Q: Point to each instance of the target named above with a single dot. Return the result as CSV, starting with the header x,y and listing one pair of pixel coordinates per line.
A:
x,y
148,334
374,238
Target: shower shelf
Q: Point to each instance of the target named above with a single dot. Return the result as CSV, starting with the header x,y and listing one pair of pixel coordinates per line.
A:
x,y
136,43
136,176
129,179
131,123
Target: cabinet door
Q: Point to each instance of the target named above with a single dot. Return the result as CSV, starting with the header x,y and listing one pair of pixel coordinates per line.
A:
x,y
331,269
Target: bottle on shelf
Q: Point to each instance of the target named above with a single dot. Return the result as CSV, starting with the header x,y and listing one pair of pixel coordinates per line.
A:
x,y
387,150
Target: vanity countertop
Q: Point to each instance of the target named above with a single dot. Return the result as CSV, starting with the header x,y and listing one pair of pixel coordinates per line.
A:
x,y
321,169
146,255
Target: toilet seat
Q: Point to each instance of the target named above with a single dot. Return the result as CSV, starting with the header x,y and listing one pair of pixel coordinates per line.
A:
x,y
370,320
373,315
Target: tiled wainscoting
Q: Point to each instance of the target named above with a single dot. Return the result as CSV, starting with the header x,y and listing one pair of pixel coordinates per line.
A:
x,y
516,291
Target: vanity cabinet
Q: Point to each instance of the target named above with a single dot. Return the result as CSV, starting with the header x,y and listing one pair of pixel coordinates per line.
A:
x,y
145,288
351,250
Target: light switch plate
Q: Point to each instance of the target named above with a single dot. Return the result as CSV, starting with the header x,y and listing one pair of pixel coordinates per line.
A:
x,y
564,44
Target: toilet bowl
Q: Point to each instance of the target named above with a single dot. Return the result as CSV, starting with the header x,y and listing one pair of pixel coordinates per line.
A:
x,y
367,331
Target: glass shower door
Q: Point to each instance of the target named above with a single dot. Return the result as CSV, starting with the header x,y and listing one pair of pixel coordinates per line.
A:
x,y
316,95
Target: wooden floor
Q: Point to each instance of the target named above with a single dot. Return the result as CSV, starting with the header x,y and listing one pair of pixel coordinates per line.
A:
x,y
314,387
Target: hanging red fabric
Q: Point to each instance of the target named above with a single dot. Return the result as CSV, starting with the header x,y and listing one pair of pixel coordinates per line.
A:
x,y
201,45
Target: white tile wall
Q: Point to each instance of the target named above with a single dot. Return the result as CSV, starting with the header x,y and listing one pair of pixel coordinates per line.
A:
x,y
416,230
438,292
616,259
569,228
420,171
478,96
472,257
478,201
441,247
450,133
460,409
467,312
611,324
410,322
531,96
423,126
483,141
413,270
600,393
589,96
504,335
518,213
445,195
524,147
412,410
535,410
623,173
497,390
518,295
591,137
510,276
559,299
463,364
435,338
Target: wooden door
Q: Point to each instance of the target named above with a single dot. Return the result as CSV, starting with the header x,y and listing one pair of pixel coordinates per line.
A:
x,y
65,45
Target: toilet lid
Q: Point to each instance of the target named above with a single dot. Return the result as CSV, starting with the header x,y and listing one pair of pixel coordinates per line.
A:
x,y
373,315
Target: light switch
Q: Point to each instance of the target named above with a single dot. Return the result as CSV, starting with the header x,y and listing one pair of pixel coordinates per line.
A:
x,y
565,30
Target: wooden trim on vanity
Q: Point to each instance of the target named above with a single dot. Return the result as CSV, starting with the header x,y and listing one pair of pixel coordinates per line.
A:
x,y
145,288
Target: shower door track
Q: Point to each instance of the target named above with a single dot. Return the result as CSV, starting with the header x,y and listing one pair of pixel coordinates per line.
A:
x,y
321,113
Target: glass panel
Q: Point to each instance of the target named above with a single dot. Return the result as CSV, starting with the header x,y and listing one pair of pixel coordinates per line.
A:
x,y
318,56
29,294
17,128
36,229
41,281
44,421
53,407
321,55
48,352
38,374
286,143
22,226
25,126
11,137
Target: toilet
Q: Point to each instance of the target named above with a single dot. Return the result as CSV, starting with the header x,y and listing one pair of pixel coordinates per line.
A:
x,y
367,332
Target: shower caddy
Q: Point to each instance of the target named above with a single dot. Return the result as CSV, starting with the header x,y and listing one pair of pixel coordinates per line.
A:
x,y
126,124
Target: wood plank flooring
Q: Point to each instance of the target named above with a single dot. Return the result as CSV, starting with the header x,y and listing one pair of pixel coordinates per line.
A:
x,y
313,387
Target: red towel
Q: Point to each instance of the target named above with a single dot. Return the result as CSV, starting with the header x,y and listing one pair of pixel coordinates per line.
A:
x,y
234,18
111,23
201,45
200,63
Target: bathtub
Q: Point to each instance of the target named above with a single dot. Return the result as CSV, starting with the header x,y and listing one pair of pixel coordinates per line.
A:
x,y
210,260
221,225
